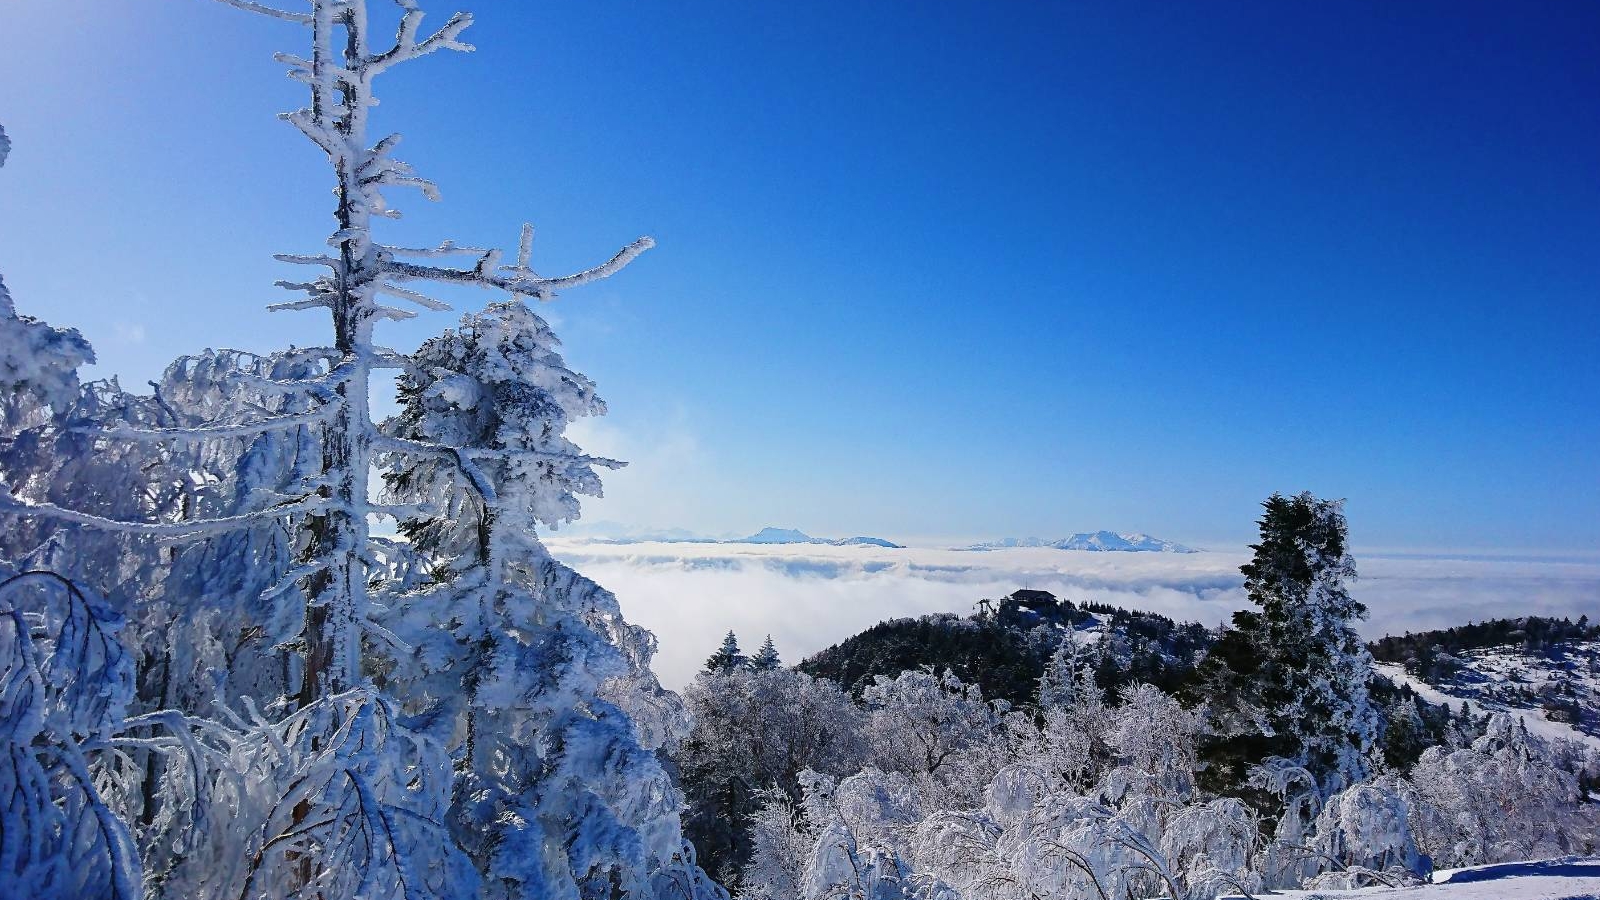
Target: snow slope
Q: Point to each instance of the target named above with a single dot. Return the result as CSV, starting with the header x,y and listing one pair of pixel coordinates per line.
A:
x,y
1569,878
1533,717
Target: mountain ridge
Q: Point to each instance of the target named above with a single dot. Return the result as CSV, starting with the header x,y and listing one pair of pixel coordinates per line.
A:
x,y
1094,541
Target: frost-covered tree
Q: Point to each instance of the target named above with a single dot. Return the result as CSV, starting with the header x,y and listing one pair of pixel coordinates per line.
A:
x,y
1070,747
1068,678
754,734
932,729
1365,832
256,478
728,656
1506,797
766,658
561,794
862,828
1290,678
65,684
359,272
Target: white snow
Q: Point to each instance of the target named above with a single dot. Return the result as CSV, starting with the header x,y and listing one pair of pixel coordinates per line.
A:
x,y
1533,718
1561,879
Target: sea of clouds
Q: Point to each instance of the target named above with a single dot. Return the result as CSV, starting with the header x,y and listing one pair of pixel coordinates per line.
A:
x,y
809,597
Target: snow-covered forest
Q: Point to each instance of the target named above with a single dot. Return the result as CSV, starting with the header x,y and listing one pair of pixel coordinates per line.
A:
x,y
1273,759
219,678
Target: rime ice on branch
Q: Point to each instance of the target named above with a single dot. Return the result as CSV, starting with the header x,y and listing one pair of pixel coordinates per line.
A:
x,y
340,74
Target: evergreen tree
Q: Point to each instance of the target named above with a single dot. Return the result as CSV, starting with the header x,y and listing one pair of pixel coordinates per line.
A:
x,y
766,659
728,657
562,794
1291,676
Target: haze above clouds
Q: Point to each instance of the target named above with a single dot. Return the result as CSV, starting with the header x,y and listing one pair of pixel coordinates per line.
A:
x,y
809,597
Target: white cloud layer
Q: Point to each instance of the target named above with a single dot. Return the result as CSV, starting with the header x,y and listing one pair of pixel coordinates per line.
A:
x,y
809,597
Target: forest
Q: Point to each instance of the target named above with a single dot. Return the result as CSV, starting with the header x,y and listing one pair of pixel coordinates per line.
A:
x,y
895,742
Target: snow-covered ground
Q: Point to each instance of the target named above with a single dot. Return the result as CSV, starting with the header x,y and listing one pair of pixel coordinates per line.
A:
x,y
1570,878
1499,666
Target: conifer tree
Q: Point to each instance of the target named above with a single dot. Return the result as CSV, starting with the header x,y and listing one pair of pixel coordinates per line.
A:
x,y
728,657
766,659
1294,667
562,794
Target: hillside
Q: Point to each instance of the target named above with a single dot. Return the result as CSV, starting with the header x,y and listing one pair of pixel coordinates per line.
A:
x,y
1003,648
1546,671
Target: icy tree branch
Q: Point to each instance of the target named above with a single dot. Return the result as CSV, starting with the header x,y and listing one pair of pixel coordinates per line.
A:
x,y
196,529
251,6
211,432
407,47
518,281
480,482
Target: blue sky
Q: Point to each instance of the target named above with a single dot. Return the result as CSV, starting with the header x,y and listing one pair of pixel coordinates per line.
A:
x,y
925,268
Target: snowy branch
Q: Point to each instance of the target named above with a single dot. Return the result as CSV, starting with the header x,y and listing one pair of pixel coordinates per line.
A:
x,y
251,6
198,528
518,281
480,482
407,47
601,461
211,432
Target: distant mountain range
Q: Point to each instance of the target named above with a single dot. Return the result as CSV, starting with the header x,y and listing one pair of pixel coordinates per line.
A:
x,y
770,535
614,533
1098,541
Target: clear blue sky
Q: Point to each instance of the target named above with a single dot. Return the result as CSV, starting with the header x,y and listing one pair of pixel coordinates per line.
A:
x,y
925,268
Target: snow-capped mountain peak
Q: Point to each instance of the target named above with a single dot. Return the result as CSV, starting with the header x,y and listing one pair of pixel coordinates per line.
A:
x,y
1111,540
1096,540
771,535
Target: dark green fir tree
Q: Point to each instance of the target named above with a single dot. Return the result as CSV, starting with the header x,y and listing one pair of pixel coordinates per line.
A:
x,y
728,657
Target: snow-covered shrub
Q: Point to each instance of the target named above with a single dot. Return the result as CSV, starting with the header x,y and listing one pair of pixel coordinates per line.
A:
x,y
1503,798
1368,828
937,731
1211,847
863,848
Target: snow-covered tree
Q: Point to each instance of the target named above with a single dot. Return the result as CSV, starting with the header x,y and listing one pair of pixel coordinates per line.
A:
x,y
360,271
348,790
1290,678
560,792
1503,798
862,827
65,684
780,849
755,733
728,656
1365,832
766,658
1070,747
932,729
1154,738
